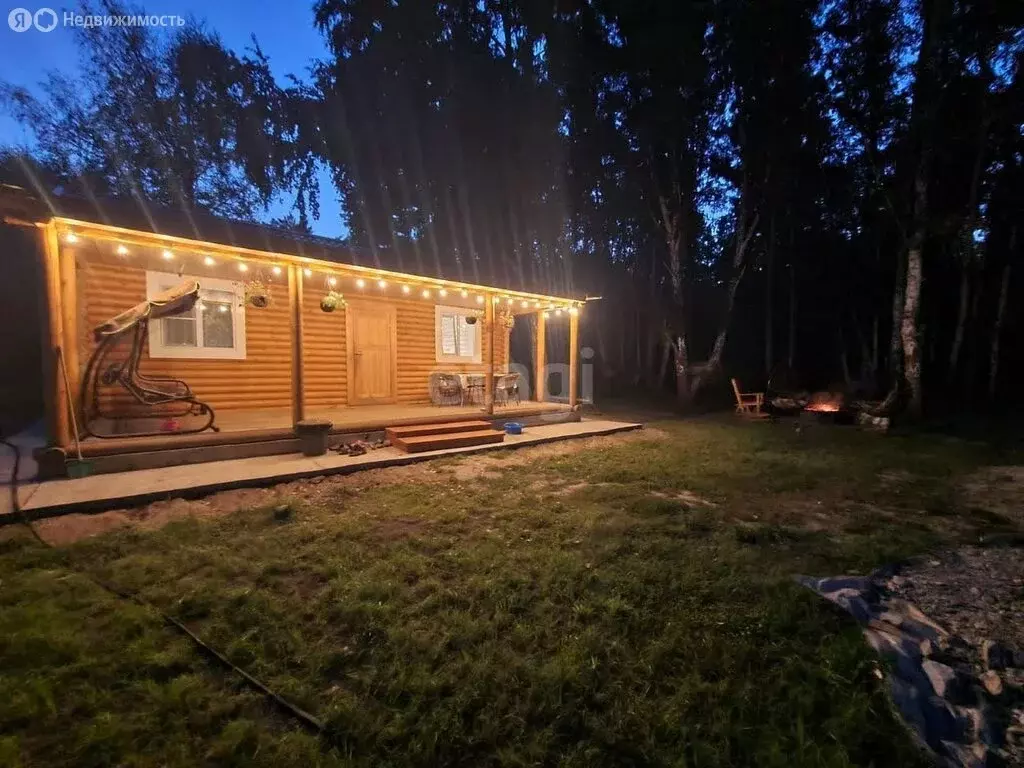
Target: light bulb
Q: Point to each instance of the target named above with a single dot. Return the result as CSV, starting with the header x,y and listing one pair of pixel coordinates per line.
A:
x,y
208,261
276,270
382,284
167,255
465,293
243,267
122,250
558,313
426,294
70,237
405,289
307,272
574,311
479,299
360,283
332,281
523,304
442,293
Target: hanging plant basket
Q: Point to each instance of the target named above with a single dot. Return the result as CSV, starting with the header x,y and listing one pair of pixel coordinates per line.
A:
x,y
331,301
257,294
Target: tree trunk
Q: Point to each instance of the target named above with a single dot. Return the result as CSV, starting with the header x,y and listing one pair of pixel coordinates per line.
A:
x,y
769,302
895,342
968,250
792,313
997,326
908,332
926,95
997,329
961,321
744,233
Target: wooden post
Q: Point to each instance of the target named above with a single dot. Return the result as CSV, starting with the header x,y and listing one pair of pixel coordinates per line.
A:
x,y
489,321
574,363
57,415
295,315
69,319
540,358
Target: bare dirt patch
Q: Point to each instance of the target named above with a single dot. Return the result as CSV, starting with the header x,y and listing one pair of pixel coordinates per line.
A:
x,y
71,528
998,490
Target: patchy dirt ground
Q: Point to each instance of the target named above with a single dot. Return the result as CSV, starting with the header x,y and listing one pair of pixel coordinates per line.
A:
x,y
997,490
70,528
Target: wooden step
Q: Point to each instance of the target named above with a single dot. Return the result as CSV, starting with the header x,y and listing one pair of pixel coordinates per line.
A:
x,y
419,430
448,440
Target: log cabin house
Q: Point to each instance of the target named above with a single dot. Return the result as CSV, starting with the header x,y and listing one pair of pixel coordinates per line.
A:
x,y
243,331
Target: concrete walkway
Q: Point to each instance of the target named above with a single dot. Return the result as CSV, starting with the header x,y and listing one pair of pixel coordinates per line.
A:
x,y
120,489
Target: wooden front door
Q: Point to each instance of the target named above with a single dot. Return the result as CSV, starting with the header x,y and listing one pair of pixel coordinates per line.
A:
x,y
372,372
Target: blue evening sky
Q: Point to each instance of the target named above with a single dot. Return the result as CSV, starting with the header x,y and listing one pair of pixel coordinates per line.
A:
x,y
283,29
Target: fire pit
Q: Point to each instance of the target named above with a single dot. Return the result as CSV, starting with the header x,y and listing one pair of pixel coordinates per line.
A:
x,y
828,407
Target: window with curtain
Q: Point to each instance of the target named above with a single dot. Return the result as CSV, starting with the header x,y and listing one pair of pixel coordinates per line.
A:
x,y
213,329
457,332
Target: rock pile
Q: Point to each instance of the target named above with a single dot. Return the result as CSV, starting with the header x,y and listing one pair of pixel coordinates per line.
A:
x,y
951,629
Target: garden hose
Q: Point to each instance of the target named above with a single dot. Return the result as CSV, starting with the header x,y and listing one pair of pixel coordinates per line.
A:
x,y
305,718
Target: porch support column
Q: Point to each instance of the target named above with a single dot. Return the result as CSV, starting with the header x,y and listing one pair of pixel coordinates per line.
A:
x,y
540,359
489,374
69,319
295,314
57,415
574,362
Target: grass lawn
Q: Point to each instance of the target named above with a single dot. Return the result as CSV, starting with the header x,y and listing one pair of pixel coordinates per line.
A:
x,y
628,604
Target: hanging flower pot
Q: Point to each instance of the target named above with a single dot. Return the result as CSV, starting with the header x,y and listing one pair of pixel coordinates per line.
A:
x,y
257,294
331,301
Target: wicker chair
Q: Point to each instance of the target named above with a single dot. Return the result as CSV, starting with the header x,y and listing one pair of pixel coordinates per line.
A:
x,y
446,389
506,389
475,388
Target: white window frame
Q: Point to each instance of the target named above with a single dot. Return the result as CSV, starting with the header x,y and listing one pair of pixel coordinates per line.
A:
x,y
157,282
477,357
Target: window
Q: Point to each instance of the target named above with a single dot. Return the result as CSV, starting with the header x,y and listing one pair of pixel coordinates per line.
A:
x,y
213,329
457,332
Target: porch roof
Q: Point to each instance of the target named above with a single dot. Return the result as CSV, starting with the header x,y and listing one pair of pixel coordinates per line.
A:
x,y
119,222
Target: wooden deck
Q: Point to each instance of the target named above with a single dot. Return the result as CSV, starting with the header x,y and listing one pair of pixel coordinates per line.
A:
x,y
245,433
359,417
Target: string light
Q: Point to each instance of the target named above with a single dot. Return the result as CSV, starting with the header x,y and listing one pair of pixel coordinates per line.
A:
x,y
465,293
479,299
332,281
574,311
122,250
360,283
496,299
536,304
243,267
71,237
405,289
307,272
524,304
276,270
426,294
208,261
167,255
546,314
442,293
222,308
382,284
558,313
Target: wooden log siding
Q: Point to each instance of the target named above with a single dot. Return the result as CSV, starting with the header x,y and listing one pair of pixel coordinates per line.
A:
x,y
262,380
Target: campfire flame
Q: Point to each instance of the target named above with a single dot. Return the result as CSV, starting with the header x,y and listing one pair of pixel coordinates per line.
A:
x,y
825,402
